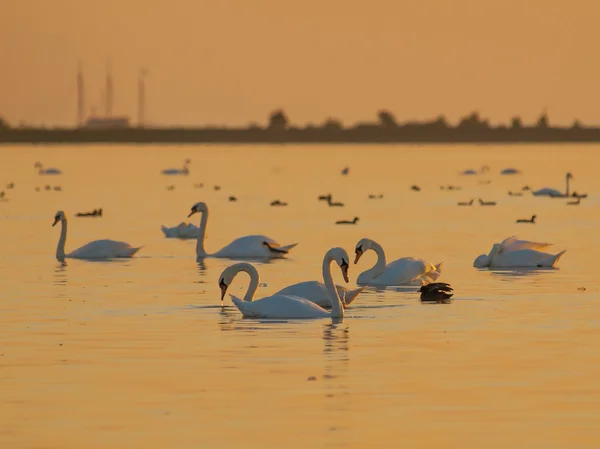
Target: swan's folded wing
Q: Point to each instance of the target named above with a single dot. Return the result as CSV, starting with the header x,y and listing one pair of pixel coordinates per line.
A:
x,y
513,243
101,249
279,306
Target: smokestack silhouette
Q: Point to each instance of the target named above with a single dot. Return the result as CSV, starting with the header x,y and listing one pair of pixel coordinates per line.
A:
x,y
109,91
80,96
141,96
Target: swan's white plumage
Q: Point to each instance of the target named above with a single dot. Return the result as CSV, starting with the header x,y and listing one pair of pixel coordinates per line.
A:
x,y
524,258
46,171
316,292
515,253
178,171
547,191
181,231
96,250
280,306
287,306
248,247
103,249
403,271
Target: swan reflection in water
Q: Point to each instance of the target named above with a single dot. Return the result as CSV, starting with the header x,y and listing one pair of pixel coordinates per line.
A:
x,y
60,274
509,273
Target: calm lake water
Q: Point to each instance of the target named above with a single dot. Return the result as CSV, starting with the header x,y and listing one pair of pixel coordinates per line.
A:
x,y
139,353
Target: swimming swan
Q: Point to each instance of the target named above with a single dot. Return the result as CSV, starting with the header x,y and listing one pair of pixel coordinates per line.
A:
x,y
47,171
248,247
178,171
98,249
316,292
515,253
404,271
181,231
546,191
284,306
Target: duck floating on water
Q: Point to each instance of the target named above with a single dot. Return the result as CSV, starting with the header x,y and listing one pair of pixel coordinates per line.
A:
x,y
437,292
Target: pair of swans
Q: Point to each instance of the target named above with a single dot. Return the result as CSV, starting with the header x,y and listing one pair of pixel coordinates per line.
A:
x,y
515,253
248,247
96,250
403,271
296,301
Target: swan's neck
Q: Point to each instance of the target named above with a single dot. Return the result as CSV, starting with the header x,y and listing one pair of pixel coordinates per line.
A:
x,y
337,310
60,249
254,279
380,265
200,252
568,180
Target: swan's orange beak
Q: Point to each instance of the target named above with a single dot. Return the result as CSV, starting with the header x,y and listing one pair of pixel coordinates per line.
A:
x,y
358,254
56,220
192,212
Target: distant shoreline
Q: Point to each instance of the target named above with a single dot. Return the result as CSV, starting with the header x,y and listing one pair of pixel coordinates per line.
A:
x,y
366,134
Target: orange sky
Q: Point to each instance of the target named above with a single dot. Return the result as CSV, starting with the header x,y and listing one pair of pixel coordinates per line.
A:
x,y
233,61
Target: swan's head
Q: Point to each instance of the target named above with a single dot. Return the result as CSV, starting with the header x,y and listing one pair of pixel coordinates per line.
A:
x,y
341,257
484,261
229,273
198,207
362,246
481,261
60,216
570,175
37,165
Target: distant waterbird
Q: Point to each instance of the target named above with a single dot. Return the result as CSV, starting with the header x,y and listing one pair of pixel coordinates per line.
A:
x,y
465,203
47,171
530,220
486,203
353,221
178,171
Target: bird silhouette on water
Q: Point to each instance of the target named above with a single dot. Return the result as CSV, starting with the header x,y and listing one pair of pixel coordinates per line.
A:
x,y
530,220
437,292
353,221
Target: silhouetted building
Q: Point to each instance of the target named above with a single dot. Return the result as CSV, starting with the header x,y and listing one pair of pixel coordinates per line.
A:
x,y
107,123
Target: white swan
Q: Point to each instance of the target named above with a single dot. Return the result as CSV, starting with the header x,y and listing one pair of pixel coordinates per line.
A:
x,y
316,292
98,249
546,191
181,231
404,271
284,306
512,243
178,171
500,257
47,171
248,247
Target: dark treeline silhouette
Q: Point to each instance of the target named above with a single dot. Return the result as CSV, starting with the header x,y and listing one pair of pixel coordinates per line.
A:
x,y
470,129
